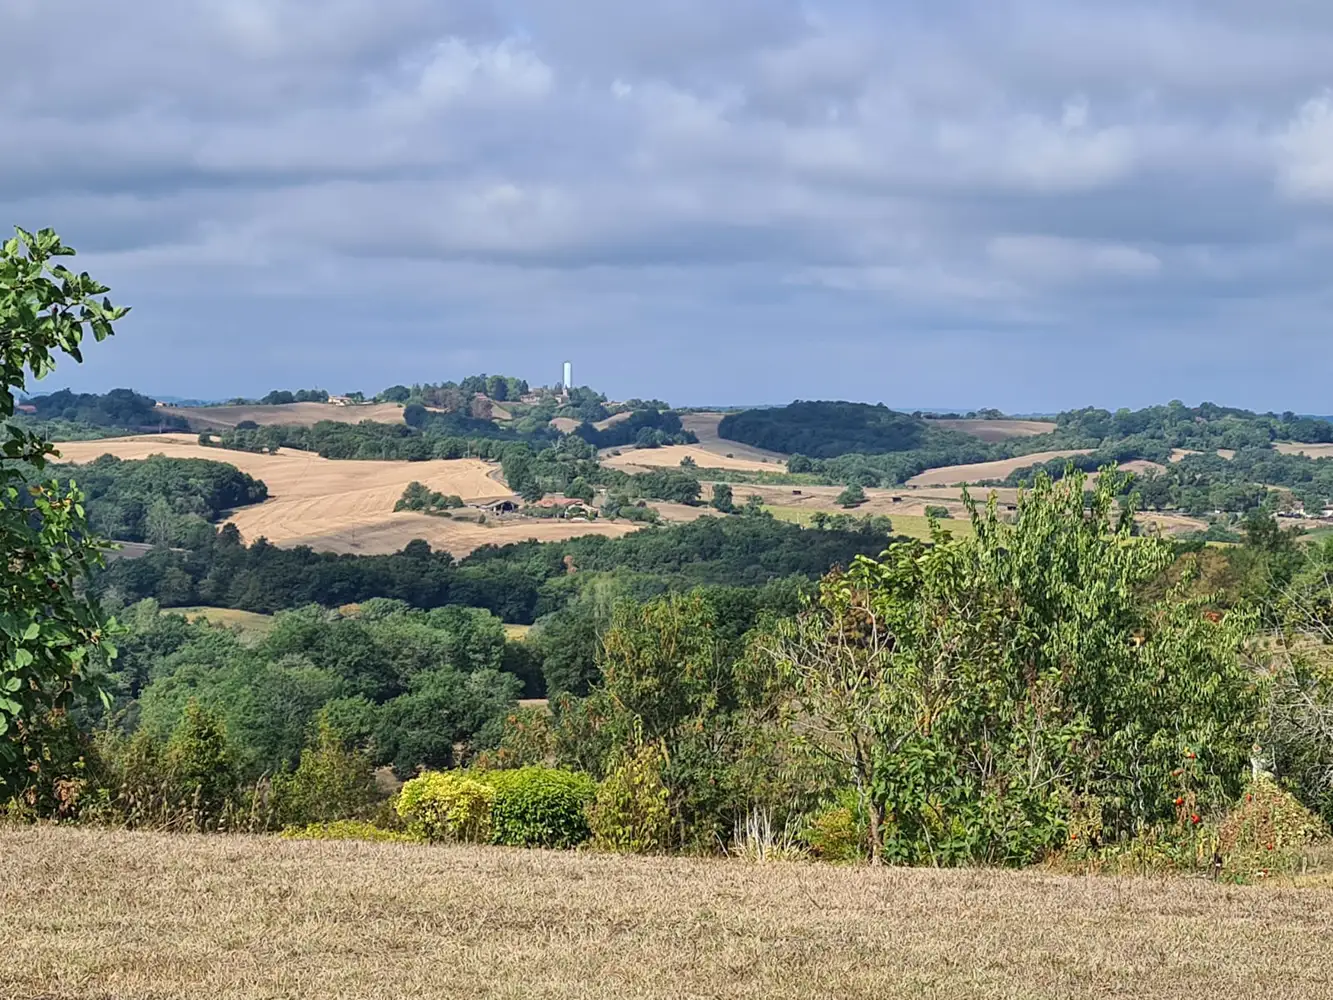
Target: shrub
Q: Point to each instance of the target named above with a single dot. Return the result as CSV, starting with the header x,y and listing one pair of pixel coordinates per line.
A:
x,y
630,811
329,784
446,806
347,829
199,766
1268,829
852,496
937,512
540,807
839,832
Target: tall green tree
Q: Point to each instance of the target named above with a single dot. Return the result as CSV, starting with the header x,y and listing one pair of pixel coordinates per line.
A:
x,y
51,634
985,693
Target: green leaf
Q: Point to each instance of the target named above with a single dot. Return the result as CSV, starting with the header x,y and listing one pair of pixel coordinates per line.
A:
x,y
32,632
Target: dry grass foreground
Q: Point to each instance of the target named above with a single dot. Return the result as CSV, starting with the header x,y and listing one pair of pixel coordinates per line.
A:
x,y
305,414
347,506
103,914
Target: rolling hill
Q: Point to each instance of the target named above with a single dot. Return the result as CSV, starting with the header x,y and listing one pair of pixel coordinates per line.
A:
x,y
202,418
347,505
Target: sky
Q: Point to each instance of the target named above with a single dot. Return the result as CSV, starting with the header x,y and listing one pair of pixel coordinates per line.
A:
x,y
1025,204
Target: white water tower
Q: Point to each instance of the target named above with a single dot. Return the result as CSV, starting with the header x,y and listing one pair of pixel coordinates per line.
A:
x,y
569,376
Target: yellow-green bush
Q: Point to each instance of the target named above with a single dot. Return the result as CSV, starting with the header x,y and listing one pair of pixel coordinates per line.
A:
x,y
631,811
347,829
539,806
447,806
839,832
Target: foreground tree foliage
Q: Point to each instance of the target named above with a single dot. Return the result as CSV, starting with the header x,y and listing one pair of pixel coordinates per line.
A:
x,y
988,696
51,634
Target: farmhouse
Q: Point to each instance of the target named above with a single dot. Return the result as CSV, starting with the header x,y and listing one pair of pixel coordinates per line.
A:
x,y
505,506
29,408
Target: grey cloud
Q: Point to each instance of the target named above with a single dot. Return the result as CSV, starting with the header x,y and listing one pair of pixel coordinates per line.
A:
x,y
487,178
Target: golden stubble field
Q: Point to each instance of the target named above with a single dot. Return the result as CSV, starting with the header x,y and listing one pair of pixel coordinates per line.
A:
x,y
670,456
998,430
305,414
102,914
347,505
950,474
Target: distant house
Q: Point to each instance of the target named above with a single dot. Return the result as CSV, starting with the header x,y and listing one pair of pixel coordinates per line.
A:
x,y
340,400
557,502
506,506
27,408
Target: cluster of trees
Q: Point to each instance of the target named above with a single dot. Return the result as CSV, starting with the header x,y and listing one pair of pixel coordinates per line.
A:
x,y
432,436
1206,427
454,396
166,501
279,397
1204,482
518,583
830,429
420,686
419,497
643,428
69,416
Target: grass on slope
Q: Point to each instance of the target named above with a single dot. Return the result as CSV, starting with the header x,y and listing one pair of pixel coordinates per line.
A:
x,y
249,623
110,914
908,525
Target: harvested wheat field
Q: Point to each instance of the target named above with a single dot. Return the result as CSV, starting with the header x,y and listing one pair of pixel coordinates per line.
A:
x,y
704,426
1310,450
347,506
951,474
305,414
1142,467
109,915
670,456
998,430
457,537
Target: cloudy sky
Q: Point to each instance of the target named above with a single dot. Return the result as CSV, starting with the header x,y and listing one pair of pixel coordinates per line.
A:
x,y
1028,204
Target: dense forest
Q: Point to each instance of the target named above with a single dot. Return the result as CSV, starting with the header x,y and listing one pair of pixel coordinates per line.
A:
x,y
518,583
830,429
167,501
71,416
